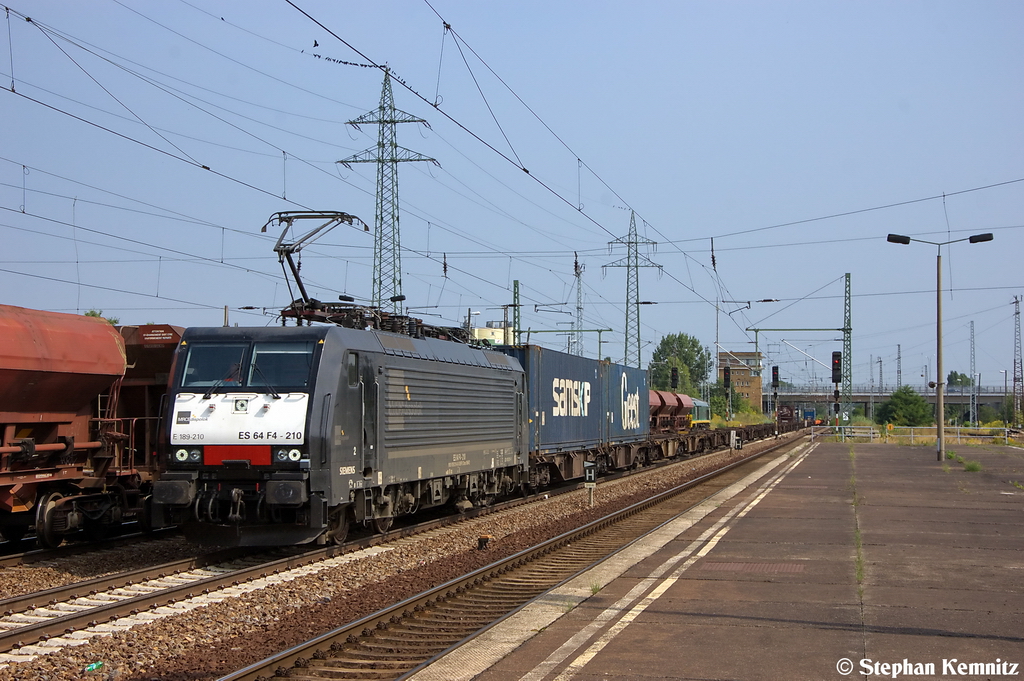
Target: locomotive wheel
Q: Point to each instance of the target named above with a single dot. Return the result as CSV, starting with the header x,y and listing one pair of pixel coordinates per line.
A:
x,y
45,534
337,529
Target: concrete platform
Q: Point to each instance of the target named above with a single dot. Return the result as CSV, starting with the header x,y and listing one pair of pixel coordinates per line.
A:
x,y
836,561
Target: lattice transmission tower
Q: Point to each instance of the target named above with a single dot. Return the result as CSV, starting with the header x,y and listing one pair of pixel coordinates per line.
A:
x,y
387,257
632,262
576,339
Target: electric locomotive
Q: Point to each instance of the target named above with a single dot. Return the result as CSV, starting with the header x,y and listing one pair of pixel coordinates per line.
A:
x,y
287,435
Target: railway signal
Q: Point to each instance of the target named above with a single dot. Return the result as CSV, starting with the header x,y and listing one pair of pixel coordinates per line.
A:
x,y
837,367
727,377
675,378
775,377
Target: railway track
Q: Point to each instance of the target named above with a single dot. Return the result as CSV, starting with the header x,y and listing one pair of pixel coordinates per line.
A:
x,y
390,643
38,617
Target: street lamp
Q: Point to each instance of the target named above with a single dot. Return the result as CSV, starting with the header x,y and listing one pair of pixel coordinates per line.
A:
x,y
940,407
1006,422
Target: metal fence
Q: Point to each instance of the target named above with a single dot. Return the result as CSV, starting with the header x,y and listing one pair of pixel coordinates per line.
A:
x,y
887,389
902,434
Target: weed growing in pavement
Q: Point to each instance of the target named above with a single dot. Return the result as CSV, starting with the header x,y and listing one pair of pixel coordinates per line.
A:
x,y
945,467
860,557
972,466
1016,484
859,564
950,454
568,607
594,588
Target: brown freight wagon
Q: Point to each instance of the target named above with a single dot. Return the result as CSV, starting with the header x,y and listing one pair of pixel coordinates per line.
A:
x,y
78,421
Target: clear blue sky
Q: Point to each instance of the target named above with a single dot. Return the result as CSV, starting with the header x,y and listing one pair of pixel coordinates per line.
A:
x,y
796,134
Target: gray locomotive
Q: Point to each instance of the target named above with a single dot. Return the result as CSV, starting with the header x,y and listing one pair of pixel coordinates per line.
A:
x,y
286,435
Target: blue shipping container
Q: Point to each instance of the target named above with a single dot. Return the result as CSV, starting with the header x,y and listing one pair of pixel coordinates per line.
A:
x,y
628,414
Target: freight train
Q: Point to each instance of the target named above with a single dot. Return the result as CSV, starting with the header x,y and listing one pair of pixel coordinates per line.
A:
x,y
289,435
79,412
675,412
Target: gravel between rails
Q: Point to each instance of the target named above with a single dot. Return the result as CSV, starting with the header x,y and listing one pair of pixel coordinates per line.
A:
x,y
208,641
25,579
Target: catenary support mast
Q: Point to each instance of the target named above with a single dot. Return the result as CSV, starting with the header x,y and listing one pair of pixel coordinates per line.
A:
x,y
1018,367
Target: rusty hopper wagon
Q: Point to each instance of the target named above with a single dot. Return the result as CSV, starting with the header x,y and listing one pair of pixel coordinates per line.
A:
x,y
74,453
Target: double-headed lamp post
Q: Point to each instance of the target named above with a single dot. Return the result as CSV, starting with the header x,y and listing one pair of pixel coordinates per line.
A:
x,y
940,379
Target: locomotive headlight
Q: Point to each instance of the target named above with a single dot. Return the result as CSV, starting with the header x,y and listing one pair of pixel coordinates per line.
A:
x,y
181,455
195,455
281,455
294,454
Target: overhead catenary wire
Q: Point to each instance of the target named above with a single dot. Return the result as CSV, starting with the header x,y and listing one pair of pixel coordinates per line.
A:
x,y
172,94
499,254
111,94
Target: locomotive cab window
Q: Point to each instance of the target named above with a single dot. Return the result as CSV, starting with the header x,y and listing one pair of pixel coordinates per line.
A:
x,y
210,365
231,366
280,365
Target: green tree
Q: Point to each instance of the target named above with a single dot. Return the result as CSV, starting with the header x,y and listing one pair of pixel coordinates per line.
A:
x,y
987,414
685,353
905,408
99,315
957,379
719,402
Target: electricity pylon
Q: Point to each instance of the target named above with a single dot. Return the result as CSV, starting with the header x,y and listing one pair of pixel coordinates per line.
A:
x,y
576,339
387,257
632,262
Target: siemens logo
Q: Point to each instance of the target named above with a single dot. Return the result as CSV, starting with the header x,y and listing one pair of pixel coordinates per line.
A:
x,y
572,398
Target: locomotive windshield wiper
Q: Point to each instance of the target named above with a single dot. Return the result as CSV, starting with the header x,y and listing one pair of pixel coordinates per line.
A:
x,y
266,381
231,375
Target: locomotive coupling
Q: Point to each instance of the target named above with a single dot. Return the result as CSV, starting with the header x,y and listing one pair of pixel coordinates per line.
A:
x,y
237,513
